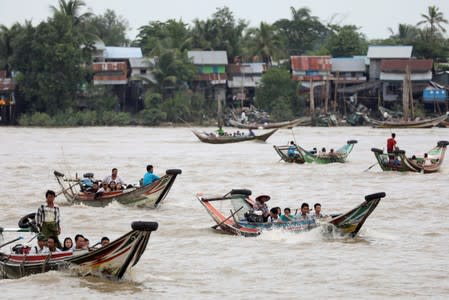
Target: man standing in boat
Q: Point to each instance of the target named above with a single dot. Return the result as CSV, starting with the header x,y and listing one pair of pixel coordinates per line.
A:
x,y
391,147
48,217
114,177
391,143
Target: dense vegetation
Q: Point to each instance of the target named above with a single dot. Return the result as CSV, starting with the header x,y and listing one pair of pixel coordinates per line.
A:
x,y
51,61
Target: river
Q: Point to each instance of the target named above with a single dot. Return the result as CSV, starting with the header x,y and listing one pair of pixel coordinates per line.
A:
x,y
401,252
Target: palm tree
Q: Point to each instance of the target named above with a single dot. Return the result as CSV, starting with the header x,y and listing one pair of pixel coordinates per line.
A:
x,y
435,19
71,9
265,42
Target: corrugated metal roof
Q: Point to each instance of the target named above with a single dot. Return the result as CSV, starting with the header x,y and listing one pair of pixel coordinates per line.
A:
x,y
208,57
141,62
389,51
247,68
400,65
348,64
122,52
315,63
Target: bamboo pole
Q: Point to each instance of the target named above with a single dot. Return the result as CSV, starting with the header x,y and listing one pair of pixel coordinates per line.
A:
x,y
312,102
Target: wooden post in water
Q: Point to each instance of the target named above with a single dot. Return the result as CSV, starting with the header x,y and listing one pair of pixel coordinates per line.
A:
x,y
405,96
335,91
326,95
312,102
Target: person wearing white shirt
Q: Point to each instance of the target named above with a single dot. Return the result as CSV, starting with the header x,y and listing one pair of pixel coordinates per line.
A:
x,y
114,177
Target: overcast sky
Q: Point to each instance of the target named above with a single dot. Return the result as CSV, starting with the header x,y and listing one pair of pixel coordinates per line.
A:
x,y
374,17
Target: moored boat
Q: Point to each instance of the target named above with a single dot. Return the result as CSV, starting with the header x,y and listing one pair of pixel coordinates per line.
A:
x,y
226,139
400,162
426,123
286,124
150,195
111,261
241,204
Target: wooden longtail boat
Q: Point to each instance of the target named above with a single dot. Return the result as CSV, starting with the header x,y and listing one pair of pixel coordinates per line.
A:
x,y
306,156
150,195
286,124
214,139
236,223
111,261
427,123
398,161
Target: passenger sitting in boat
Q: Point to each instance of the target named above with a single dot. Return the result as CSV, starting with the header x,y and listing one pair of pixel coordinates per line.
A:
x,y
322,152
112,186
332,153
80,243
292,151
41,247
317,214
251,133
51,244
260,205
119,187
103,189
68,244
304,216
94,188
104,241
149,176
427,161
274,216
287,217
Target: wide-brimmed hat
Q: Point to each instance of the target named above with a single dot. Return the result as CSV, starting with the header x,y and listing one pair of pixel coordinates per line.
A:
x,y
263,198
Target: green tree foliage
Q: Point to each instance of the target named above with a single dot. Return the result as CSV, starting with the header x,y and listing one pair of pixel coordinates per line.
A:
x,y
158,36
221,32
277,94
109,27
264,42
7,40
49,59
172,71
303,33
346,41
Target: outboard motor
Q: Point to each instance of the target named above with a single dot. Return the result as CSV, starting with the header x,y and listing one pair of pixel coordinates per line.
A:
x,y
87,181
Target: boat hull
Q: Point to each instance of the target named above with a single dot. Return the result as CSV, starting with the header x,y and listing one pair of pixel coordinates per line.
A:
x,y
151,195
111,261
398,161
304,156
427,123
348,223
213,139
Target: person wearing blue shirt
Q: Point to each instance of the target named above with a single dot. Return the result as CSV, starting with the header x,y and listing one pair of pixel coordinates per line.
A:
x,y
292,150
149,177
